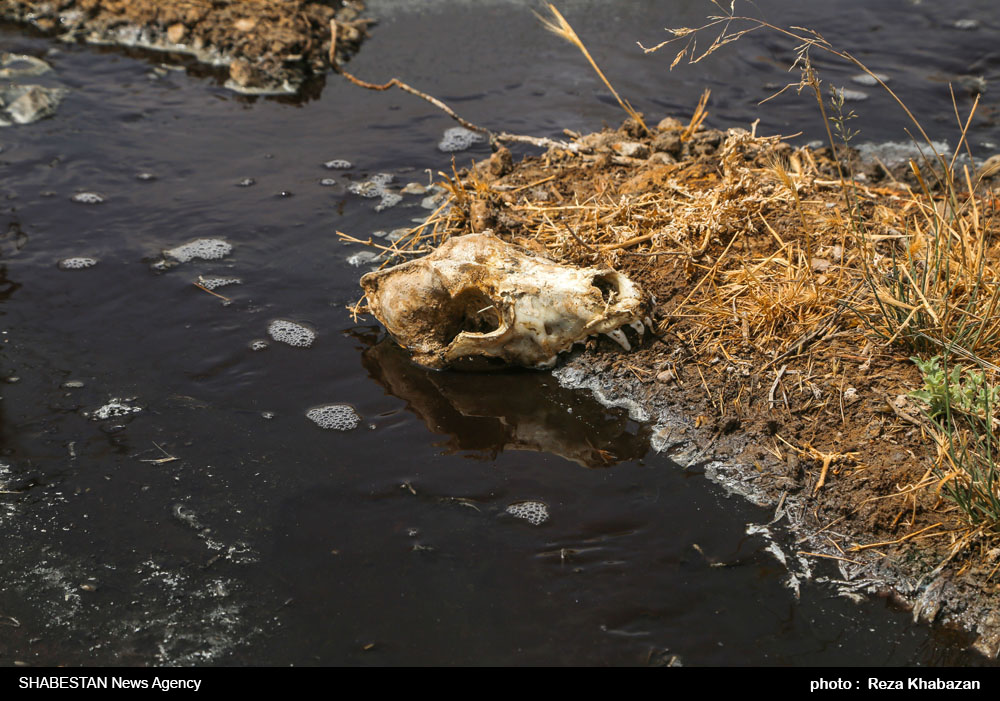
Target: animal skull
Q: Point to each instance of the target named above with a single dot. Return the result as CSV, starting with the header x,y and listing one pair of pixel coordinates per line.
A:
x,y
477,296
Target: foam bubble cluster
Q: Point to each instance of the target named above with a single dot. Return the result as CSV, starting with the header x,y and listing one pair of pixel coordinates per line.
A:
x,y
534,512
337,164
206,249
88,198
77,263
339,417
211,283
361,257
459,139
115,408
291,333
258,345
375,186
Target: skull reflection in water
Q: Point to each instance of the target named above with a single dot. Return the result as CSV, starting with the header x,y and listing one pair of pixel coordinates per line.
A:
x,y
479,297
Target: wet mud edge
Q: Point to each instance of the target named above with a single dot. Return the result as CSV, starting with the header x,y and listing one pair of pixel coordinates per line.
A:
x,y
935,595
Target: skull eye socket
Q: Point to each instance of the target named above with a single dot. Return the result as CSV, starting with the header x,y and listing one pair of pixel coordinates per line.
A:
x,y
474,312
607,285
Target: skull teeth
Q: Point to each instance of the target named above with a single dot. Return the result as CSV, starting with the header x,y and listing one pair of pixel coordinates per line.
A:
x,y
639,328
618,336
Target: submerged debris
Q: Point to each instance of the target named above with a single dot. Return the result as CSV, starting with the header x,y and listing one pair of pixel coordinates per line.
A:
x,y
24,104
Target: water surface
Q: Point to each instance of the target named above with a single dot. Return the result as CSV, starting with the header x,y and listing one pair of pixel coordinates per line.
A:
x,y
219,525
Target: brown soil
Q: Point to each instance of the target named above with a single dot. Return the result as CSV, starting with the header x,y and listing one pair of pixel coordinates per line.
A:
x,y
268,45
759,373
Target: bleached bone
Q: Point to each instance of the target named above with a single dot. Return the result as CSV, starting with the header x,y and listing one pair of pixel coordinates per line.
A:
x,y
477,296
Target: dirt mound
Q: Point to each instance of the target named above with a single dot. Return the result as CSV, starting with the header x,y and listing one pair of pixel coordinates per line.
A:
x,y
777,369
269,46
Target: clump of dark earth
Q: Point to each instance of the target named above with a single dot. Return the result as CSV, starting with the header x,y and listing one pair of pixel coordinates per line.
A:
x,y
268,46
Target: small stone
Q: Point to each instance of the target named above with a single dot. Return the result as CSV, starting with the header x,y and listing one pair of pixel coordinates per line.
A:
x,y
176,33
669,123
501,162
668,142
631,149
244,74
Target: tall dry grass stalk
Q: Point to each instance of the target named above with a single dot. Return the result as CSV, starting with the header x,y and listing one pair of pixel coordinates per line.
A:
x,y
561,28
929,265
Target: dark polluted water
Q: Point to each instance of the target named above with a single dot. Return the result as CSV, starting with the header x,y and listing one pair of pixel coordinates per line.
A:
x,y
167,499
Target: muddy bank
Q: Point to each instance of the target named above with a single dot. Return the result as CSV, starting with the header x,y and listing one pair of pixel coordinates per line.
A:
x,y
768,370
269,46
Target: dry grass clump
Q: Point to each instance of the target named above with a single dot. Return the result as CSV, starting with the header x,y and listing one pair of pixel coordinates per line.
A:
x,y
768,262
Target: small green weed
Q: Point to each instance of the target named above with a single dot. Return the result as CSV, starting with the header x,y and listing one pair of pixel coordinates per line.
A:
x,y
961,404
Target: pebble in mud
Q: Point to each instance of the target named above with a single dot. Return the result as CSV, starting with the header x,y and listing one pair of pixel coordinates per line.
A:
x,y
78,263
206,249
534,512
338,417
291,333
459,139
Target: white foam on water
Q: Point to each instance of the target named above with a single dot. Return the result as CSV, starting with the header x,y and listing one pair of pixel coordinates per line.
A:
x,y
115,408
77,263
459,139
339,417
206,249
534,512
292,333
211,283
259,345
361,257
338,164
88,198
868,80
375,186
